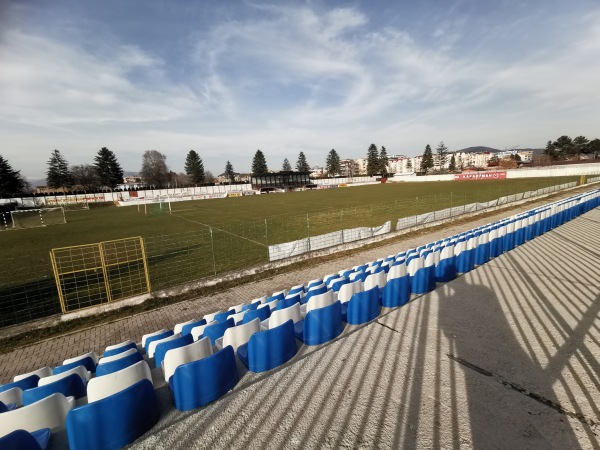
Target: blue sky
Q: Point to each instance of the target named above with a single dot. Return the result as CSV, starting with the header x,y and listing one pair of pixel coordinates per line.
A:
x,y
228,77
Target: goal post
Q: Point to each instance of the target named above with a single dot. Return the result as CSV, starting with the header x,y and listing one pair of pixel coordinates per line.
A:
x,y
31,218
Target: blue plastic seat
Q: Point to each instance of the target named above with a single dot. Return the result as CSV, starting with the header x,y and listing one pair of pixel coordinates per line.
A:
x,y
25,440
200,382
162,348
114,421
261,313
269,349
187,328
397,290
5,407
25,383
297,289
249,307
70,386
287,302
278,296
322,325
223,316
336,286
316,291
118,364
217,330
362,307
445,270
157,337
116,351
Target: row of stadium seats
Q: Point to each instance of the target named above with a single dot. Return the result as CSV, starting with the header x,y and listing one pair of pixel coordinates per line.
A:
x,y
108,402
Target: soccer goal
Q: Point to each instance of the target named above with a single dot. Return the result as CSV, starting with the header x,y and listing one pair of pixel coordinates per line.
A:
x,y
31,218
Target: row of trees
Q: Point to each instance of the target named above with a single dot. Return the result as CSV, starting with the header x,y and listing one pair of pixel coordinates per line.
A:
x,y
565,148
428,163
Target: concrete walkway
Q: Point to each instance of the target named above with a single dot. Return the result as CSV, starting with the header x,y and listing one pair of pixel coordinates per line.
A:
x,y
504,357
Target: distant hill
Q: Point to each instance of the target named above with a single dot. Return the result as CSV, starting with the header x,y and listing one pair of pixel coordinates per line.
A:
x,y
479,149
35,182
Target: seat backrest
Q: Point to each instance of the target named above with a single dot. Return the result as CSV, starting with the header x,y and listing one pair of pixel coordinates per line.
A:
x,y
261,314
376,279
312,283
147,336
24,383
112,350
91,354
152,345
338,283
49,412
283,315
272,304
179,326
414,265
217,330
21,439
118,364
397,271
187,328
164,347
296,289
186,354
236,308
107,385
287,302
348,290
42,372
107,359
259,300
79,370
236,336
199,330
12,395
319,301
237,317
71,386
211,317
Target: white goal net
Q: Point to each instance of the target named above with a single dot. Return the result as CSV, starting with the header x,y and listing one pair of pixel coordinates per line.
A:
x,y
38,217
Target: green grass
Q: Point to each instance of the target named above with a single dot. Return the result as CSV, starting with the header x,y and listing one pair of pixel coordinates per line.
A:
x,y
180,247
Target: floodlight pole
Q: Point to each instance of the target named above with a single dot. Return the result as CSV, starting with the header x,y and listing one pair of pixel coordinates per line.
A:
x,y
169,199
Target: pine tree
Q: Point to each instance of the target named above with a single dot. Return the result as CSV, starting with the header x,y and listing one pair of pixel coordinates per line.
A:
x,y
383,161
301,164
259,164
332,163
11,181
452,166
229,173
373,160
427,160
442,155
194,168
58,175
107,168
286,167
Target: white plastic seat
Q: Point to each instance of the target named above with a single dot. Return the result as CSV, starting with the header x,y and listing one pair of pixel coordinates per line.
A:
x,y
124,354
91,354
317,301
284,292
281,316
317,286
316,281
238,335
83,373
236,308
271,304
107,385
49,412
334,280
149,335
377,279
179,326
348,290
259,300
187,354
42,372
153,344
211,317
199,330
12,395
238,316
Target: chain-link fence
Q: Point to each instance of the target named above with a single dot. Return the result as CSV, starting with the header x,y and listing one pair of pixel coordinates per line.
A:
x,y
30,291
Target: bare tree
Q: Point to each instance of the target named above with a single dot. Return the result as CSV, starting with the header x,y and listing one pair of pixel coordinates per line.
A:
x,y
155,171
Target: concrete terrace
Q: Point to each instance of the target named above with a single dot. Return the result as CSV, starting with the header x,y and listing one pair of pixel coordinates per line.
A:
x,y
505,356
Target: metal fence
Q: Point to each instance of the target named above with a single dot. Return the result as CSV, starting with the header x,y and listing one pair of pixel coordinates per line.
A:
x,y
31,291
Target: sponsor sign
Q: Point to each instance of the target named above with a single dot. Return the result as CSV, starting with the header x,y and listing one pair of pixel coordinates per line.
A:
x,y
234,194
480,176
